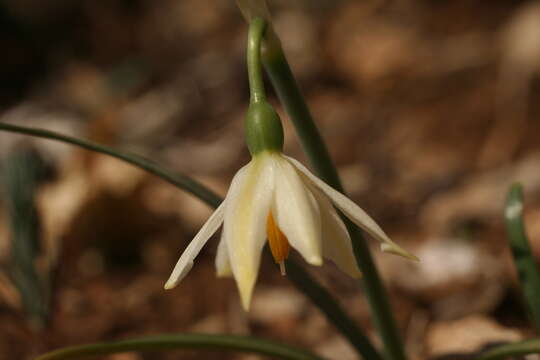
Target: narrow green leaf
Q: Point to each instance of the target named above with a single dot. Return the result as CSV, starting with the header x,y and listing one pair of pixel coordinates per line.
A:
x,y
306,284
181,181
183,341
517,349
22,172
523,256
291,97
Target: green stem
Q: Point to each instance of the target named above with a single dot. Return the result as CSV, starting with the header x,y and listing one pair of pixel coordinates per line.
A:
x,y
523,256
184,341
289,94
257,28
309,286
181,181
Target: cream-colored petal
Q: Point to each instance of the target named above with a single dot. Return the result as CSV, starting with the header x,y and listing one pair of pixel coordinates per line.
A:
x,y
248,205
185,263
296,212
223,263
353,212
336,242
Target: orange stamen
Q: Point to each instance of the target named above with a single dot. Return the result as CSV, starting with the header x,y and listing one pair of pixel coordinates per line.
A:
x,y
279,245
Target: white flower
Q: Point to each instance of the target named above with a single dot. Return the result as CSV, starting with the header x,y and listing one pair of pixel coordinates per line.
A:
x,y
276,197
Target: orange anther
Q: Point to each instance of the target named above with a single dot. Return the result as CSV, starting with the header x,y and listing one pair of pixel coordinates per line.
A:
x,y
279,245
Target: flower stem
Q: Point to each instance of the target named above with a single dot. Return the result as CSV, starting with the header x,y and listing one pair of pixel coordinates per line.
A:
x,y
183,341
257,28
325,302
290,96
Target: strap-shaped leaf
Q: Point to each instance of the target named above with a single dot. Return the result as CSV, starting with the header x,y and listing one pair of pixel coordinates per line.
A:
x,y
183,182
291,97
527,271
505,351
22,172
183,341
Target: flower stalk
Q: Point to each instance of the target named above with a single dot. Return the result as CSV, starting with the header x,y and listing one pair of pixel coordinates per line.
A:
x,y
256,83
264,131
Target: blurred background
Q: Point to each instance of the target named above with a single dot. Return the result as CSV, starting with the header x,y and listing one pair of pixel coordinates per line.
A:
x,y
430,109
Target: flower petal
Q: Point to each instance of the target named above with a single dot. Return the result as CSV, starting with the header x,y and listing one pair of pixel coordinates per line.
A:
x,y
353,212
296,212
336,242
223,262
185,262
248,205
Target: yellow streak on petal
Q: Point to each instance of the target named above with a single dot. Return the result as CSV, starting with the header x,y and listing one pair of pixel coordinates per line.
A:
x,y
279,244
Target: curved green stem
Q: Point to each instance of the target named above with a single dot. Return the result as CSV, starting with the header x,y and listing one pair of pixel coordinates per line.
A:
x,y
291,97
521,251
257,28
181,181
183,341
301,279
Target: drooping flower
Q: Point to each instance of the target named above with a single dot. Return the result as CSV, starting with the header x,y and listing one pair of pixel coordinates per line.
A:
x,y
275,197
